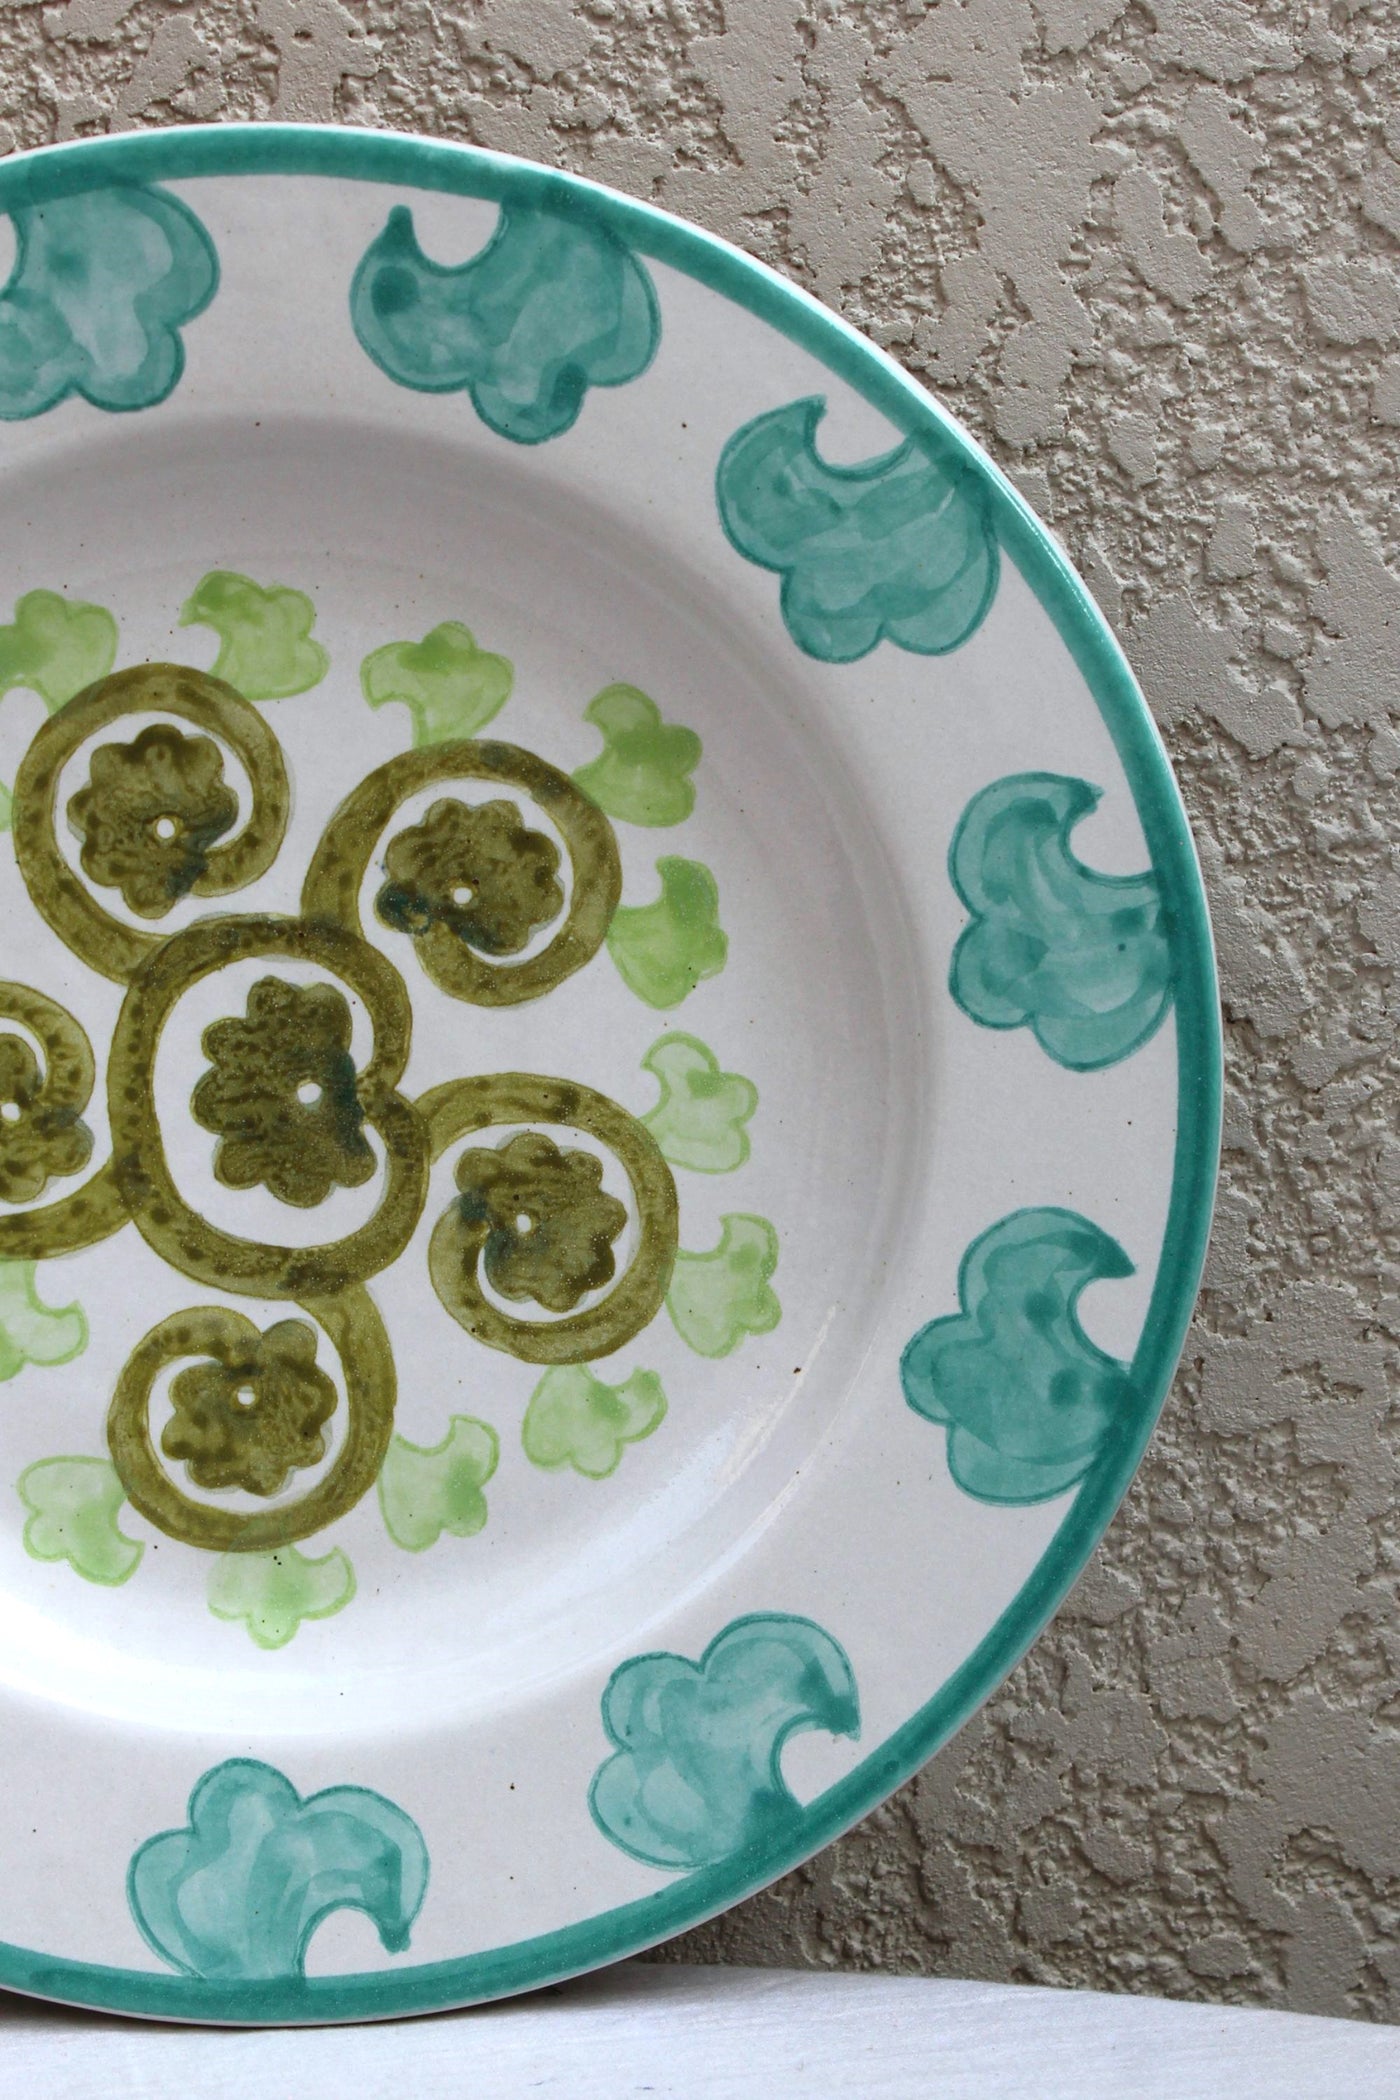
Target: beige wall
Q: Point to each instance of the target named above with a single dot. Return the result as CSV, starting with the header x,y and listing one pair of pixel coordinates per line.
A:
x,y
1149,250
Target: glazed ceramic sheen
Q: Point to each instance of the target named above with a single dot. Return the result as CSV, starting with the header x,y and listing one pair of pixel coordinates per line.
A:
x,y
609,1075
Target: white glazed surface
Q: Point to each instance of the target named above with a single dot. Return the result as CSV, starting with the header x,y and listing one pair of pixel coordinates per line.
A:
x,y
463,1684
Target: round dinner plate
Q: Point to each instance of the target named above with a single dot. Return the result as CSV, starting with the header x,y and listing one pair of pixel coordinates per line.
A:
x,y
609,1075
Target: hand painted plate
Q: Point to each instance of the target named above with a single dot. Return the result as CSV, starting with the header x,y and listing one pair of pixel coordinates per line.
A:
x,y
608,1075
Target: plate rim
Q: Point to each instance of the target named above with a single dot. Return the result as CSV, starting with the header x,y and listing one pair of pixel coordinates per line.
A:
x,y
186,152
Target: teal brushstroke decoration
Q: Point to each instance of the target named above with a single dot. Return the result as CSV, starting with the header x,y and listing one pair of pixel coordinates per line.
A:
x,y
550,307
696,1775
1081,959
102,284
1028,1400
900,548
238,1892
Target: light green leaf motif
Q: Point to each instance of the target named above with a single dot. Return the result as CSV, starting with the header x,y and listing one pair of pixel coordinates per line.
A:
x,y
550,307
31,1332
574,1419
899,548
699,1120
271,1593
1029,1401
717,1298
55,646
425,1490
236,1894
266,651
73,1506
1081,959
643,775
449,686
103,282
663,950
696,1775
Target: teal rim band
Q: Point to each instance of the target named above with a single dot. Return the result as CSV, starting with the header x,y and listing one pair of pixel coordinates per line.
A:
x,y
179,155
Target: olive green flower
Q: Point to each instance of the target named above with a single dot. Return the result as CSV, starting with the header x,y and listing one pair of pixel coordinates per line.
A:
x,y
476,869
281,1097
540,1218
253,1418
150,814
39,1143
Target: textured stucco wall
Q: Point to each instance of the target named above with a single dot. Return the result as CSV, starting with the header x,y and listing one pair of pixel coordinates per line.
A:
x,y
1150,251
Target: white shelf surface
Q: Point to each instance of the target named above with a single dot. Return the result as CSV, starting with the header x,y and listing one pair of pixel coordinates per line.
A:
x,y
724,2034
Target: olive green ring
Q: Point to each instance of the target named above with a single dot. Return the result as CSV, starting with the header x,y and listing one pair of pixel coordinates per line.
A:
x,y
165,1221
333,881
108,944
357,1333
87,1214
465,1105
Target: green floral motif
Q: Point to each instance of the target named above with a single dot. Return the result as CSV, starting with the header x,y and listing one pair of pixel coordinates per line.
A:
x,y
663,950
696,1775
717,1298
254,1415
425,1490
550,307
449,686
1029,1401
266,651
476,869
39,1143
73,1505
900,548
55,646
699,1120
643,775
236,1895
102,284
1081,959
271,1593
539,1219
150,814
574,1419
31,1332
281,1096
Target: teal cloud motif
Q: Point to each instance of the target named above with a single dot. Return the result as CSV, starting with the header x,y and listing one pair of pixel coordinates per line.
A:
x,y
102,284
1081,959
1028,1400
237,1894
697,1773
900,548
550,307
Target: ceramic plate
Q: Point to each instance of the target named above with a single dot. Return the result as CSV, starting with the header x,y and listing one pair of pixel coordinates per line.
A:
x,y
608,1081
